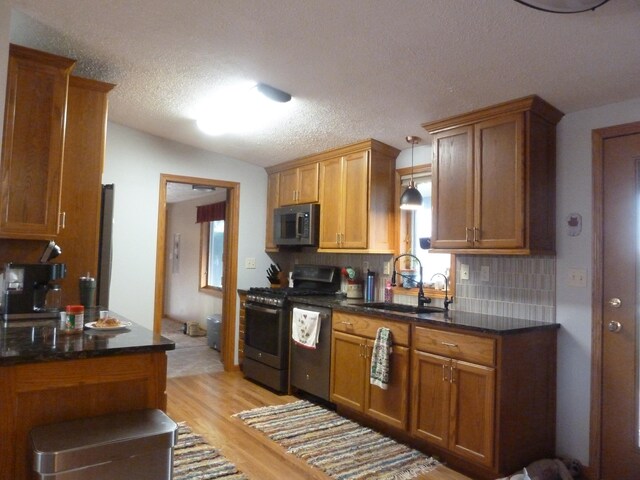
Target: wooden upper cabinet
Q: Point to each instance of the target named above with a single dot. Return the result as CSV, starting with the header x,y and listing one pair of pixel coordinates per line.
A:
x,y
355,186
494,179
299,185
33,144
84,151
273,191
344,201
357,202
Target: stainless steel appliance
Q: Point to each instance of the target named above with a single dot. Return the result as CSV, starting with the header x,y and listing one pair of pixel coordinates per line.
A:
x,y
310,368
267,323
29,290
297,225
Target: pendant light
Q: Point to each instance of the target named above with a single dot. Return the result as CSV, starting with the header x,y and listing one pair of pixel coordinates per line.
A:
x,y
411,199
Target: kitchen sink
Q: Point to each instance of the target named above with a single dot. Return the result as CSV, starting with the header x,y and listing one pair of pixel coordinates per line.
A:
x,y
397,307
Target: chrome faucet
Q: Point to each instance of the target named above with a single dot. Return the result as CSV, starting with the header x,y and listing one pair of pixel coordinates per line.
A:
x,y
422,300
447,301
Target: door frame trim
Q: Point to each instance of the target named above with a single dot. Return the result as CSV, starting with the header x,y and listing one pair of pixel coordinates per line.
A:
x,y
230,273
598,137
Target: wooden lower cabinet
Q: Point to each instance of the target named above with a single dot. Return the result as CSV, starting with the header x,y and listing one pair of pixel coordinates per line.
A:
x,y
351,364
483,402
57,391
453,405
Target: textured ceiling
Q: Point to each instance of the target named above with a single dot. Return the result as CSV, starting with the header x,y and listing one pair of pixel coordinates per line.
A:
x,y
356,68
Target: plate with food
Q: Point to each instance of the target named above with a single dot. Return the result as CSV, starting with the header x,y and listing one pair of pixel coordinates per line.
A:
x,y
108,323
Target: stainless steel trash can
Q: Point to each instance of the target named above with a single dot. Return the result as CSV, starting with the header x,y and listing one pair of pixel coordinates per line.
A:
x,y
132,445
214,323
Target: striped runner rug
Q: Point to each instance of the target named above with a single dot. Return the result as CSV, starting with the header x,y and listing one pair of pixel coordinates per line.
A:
x,y
195,459
343,449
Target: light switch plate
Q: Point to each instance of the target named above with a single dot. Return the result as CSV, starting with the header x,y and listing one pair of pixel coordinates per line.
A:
x,y
249,263
387,268
577,277
464,271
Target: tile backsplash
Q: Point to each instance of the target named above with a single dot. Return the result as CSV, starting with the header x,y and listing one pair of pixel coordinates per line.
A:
x,y
518,287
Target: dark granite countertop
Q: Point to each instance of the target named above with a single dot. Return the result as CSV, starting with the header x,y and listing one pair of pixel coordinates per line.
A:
x,y
32,341
490,324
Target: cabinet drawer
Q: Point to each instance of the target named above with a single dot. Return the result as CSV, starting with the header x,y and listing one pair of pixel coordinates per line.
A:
x,y
368,326
456,345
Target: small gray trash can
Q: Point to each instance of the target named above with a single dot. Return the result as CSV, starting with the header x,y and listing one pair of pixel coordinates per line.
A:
x,y
136,444
214,324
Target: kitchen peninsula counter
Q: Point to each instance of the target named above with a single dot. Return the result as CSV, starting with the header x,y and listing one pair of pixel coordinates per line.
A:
x,y
49,377
42,341
473,322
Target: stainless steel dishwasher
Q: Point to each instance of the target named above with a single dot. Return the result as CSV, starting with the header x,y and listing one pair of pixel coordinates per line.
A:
x,y
310,369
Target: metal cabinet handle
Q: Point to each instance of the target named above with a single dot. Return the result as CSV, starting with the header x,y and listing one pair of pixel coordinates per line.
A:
x,y
447,344
615,302
62,220
346,323
476,234
466,234
614,327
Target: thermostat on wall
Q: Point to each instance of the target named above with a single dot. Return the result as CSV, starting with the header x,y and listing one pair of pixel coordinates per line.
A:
x,y
574,224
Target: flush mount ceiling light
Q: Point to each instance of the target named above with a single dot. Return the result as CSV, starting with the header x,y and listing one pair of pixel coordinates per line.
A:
x,y
242,109
563,6
411,199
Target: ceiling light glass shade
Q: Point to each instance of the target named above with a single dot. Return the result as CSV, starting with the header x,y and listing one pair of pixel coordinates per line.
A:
x,y
240,109
411,199
563,6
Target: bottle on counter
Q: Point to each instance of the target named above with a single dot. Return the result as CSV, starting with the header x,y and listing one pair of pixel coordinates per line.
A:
x,y
388,292
370,287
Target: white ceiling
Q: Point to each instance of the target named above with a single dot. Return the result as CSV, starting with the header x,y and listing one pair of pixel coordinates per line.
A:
x,y
357,68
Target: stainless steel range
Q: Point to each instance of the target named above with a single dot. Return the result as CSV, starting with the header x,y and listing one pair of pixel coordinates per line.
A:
x,y
267,317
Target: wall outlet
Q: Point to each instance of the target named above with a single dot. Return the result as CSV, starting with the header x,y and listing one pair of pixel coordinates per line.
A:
x,y
365,266
249,262
464,271
484,273
387,268
577,277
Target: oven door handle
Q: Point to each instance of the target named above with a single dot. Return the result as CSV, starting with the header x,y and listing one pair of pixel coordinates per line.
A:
x,y
261,309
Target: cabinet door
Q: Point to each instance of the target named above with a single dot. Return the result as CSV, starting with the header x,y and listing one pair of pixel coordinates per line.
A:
x,y
348,368
499,182
273,190
355,191
288,187
431,398
390,405
472,411
331,205
452,195
81,180
31,168
308,183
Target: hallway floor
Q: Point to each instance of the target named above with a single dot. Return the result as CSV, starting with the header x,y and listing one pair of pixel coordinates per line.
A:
x,y
192,355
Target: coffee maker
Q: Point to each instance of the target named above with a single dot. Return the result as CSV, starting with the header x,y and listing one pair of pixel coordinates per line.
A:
x,y
29,290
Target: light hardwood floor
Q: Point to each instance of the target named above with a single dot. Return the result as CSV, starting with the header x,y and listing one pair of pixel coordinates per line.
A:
x,y
207,402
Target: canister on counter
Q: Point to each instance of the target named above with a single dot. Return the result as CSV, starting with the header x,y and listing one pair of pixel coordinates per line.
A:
x,y
87,291
72,319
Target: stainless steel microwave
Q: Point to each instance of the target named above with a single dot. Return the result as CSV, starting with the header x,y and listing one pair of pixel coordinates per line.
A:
x,y
297,225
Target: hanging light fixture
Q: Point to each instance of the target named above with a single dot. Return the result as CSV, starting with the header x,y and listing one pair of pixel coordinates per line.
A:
x,y
563,6
411,199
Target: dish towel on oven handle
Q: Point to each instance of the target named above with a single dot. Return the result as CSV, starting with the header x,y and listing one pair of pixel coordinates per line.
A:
x,y
305,327
381,358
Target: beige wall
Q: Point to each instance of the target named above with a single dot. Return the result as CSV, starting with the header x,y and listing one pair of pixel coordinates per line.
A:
x,y
183,299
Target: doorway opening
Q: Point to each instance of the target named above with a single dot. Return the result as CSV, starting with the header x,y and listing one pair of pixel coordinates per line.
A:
x,y
228,272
